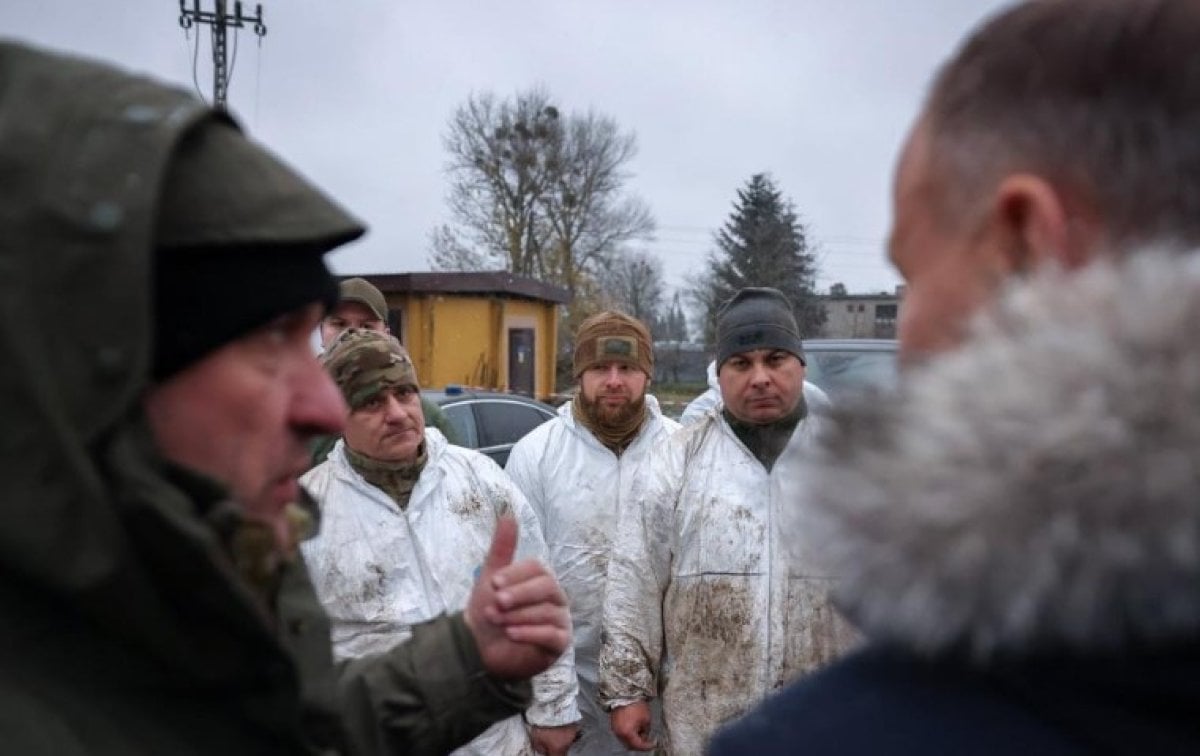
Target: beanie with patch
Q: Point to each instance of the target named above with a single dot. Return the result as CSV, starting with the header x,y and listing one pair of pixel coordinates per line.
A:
x,y
612,336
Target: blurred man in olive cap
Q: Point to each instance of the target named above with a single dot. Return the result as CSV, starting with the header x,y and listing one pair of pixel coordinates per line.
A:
x,y
405,523
702,604
155,601
361,305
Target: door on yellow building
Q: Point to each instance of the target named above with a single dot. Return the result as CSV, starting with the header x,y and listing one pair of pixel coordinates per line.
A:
x,y
520,361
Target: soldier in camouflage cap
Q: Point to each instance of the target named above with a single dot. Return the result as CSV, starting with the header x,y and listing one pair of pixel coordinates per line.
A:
x,y
377,378
361,305
402,511
363,362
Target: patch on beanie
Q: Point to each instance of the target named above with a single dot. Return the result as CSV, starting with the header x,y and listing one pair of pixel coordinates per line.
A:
x,y
752,338
616,346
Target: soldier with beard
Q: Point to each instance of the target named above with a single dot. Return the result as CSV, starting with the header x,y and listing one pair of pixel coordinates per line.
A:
x,y
702,606
579,469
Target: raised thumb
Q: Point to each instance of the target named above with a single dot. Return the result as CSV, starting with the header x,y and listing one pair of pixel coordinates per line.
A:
x,y
504,545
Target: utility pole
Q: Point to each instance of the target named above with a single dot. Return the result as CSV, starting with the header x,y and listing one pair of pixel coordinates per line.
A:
x,y
220,21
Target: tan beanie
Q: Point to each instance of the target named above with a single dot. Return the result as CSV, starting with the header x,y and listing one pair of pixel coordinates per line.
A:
x,y
613,337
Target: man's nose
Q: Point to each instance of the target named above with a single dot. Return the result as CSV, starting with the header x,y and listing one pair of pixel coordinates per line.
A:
x,y
759,375
613,376
318,408
394,410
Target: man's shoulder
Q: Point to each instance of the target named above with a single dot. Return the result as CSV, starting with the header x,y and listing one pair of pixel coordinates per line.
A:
x,y
555,429
318,478
660,423
461,456
689,438
876,701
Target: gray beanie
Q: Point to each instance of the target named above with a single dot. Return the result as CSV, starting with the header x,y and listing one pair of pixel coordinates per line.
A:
x,y
757,318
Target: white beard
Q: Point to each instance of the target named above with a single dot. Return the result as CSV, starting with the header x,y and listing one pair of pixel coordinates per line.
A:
x,y
1039,487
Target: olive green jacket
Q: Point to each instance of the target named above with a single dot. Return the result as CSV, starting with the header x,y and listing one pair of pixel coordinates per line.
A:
x,y
126,628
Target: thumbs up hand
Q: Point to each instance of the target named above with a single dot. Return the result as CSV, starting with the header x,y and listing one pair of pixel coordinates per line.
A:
x,y
517,612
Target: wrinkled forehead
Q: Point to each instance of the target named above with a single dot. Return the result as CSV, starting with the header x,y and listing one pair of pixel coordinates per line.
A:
x,y
755,356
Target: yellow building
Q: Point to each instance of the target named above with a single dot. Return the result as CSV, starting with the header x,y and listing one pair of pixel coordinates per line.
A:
x,y
491,331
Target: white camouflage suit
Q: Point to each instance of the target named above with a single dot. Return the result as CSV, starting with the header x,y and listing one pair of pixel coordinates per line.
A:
x,y
575,484
378,569
706,606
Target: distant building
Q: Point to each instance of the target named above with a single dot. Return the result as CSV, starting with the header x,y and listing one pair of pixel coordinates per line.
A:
x,y
490,330
861,316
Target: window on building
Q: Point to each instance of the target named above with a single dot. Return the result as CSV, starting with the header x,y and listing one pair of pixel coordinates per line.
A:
x,y
885,321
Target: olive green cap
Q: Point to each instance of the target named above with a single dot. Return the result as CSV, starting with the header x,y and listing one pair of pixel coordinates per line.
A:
x,y
364,292
225,189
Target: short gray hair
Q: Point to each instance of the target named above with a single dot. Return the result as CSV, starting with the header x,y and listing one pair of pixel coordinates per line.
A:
x,y
1100,97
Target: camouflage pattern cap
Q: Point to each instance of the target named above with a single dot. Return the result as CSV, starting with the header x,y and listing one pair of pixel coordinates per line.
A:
x,y
363,363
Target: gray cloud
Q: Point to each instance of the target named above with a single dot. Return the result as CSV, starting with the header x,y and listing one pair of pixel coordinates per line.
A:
x,y
356,94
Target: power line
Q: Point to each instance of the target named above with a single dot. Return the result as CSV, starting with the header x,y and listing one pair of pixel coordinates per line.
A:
x,y
195,62
684,230
220,21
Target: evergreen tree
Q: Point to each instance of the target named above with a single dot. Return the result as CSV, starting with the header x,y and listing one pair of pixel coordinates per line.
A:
x,y
763,243
675,323
670,334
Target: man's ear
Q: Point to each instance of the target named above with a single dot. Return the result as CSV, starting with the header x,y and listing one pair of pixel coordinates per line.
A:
x,y
1035,222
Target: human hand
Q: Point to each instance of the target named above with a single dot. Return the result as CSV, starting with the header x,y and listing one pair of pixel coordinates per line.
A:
x,y
517,613
631,725
553,741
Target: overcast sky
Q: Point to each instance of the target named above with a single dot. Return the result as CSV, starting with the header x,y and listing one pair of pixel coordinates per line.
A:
x,y
357,95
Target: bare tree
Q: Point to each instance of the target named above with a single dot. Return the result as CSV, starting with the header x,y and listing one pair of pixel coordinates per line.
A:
x,y
535,193
633,284
450,253
588,216
498,168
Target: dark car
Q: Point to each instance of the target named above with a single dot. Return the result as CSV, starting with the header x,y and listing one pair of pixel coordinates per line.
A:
x,y
489,421
844,367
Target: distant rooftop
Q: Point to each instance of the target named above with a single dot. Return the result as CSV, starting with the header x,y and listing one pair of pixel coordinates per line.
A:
x,y
468,282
